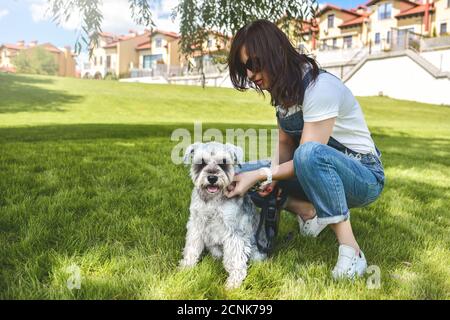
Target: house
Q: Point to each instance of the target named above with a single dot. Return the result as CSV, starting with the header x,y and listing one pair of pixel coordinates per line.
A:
x,y
376,24
114,55
126,54
160,52
215,45
441,23
64,57
342,28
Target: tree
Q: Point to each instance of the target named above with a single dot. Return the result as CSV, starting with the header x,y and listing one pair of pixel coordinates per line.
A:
x,y
197,18
36,61
92,17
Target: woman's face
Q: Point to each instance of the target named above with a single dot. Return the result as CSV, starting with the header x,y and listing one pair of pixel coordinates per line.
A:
x,y
259,78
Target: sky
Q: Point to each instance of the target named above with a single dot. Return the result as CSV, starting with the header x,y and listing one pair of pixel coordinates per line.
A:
x,y
29,20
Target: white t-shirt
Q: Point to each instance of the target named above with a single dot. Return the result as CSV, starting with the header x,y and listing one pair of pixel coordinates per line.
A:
x,y
329,97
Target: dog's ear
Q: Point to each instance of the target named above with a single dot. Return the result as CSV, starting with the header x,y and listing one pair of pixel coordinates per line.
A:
x,y
236,152
190,152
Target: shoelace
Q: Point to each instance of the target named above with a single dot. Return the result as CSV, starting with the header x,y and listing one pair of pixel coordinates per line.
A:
x,y
345,264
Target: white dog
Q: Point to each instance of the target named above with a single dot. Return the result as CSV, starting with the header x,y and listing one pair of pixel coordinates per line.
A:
x,y
226,227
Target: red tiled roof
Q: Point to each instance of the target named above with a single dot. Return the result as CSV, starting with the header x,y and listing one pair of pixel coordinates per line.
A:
x,y
12,46
144,46
307,27
420,9
333,7
50,47
353,22
372,2
167,33
126,37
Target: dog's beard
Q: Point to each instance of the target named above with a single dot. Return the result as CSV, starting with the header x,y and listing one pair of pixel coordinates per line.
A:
x,y
210,190
213,188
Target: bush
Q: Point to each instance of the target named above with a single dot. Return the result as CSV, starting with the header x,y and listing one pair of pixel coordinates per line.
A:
x,y
110,76
36,61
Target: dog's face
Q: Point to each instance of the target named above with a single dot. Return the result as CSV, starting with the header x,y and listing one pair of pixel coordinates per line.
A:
x,y
212,166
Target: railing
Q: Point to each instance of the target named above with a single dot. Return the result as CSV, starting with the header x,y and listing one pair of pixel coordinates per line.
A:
x,y
432,43
405,39
339,55
176,71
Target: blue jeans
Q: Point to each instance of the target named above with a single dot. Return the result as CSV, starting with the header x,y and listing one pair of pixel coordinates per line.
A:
x,y
331,180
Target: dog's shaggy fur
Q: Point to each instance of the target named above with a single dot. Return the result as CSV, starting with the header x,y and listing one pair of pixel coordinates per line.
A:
x,y
226,227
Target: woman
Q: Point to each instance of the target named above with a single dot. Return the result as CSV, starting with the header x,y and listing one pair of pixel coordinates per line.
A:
x,y
326,159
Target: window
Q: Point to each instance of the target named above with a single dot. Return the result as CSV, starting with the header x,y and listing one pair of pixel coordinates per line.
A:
x,y
348,41
377,38
448,3
95,61
388,37
101,61
385,11
108,62
158,43
209,44
150,61
334,42
443,28
147,62
331,21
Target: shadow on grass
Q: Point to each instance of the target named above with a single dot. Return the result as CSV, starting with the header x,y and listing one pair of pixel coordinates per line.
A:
x,y
399,148
24,94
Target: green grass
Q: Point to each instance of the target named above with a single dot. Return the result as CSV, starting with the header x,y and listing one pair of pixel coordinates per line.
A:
x,y
86,179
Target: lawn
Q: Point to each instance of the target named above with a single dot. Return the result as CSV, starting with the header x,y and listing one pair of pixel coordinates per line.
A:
x,y
87,181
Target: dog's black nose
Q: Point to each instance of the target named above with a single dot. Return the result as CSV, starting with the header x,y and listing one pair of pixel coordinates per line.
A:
x,y
212,179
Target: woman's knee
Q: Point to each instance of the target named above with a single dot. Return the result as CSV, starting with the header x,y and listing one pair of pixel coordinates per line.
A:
x,y
307,156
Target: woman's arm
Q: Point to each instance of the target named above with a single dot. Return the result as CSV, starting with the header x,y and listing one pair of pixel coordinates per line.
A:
x,y
312,131
285,148
284,151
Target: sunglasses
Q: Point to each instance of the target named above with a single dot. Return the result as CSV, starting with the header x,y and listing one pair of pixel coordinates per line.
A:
x,y
251,65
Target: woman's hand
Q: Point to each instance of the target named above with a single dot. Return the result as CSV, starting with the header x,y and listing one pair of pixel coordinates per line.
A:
x,y
267,189
242,182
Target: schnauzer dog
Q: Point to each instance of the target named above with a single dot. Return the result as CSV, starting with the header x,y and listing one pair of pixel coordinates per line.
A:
x,y
226,227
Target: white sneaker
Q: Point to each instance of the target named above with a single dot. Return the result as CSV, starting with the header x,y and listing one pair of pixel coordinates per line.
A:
x,y
349,264
311,227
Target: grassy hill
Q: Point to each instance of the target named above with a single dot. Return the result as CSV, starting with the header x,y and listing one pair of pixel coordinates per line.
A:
x,y
86,180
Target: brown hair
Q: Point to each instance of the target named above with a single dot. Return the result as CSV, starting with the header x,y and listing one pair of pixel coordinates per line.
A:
x,y
271,51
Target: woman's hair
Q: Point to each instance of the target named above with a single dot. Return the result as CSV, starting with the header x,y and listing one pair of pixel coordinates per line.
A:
x,y
272,52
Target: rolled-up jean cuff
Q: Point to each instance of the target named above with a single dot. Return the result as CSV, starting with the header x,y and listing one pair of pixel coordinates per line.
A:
x,y
333,219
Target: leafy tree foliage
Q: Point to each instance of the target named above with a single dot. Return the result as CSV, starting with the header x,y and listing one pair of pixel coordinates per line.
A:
x,y
36,61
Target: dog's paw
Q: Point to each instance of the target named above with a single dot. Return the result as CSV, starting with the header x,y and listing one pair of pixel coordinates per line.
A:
x,y
233,283
186,264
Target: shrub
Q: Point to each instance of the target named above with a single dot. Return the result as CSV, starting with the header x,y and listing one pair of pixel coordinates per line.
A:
x,y
110,76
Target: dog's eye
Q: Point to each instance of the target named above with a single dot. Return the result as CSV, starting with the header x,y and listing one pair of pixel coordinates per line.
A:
x,y
203,162
224,164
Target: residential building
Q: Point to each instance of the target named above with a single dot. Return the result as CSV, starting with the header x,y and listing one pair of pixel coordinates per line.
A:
x,y
342,28
378,24
134,53
160,52
64,57
441,23
216,45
